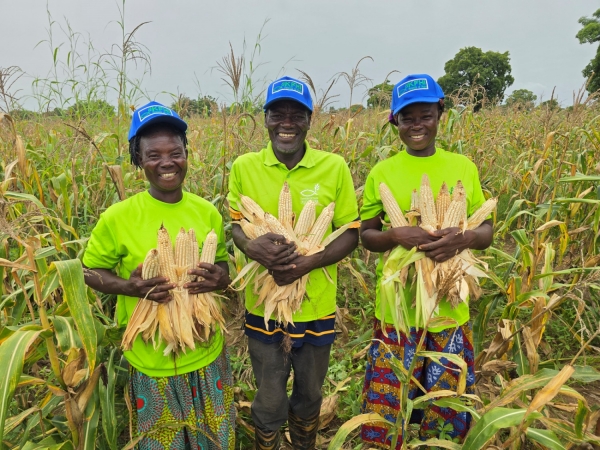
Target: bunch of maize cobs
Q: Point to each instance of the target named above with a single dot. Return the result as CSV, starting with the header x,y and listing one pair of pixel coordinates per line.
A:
x,y
187,318
307,231
455,278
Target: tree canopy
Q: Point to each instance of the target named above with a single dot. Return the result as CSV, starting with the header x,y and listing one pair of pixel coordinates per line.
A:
x,y
522,99
472,67
203,106
380,95
589,34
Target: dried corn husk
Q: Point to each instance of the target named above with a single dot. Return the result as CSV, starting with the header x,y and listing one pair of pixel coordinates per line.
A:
x,y
308,232
187,318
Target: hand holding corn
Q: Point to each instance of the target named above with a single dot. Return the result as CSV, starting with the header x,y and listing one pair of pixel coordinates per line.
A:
x,y
192,315
209,278
155,289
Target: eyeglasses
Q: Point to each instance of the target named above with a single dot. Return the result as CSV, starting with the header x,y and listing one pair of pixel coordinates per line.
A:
x,y
276,117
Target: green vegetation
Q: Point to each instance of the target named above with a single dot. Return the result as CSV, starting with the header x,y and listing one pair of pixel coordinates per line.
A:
x,y
471,67
536,325
522,98
589,34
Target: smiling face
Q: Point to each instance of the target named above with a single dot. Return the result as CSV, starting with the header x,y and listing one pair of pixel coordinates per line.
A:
x,y
288,123
164,160
417,126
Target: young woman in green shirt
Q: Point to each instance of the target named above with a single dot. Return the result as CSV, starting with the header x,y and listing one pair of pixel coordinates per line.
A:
x,y
194,389
417,106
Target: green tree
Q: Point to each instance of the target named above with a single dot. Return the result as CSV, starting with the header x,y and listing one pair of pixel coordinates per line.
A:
x,y
522,99
203,106
472,67
88,108
589,34
380,95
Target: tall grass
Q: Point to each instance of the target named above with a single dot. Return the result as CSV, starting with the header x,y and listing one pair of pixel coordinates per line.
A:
x,y
535,326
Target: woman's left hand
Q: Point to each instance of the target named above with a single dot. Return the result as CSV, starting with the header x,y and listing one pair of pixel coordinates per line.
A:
x,y
212,277
453,241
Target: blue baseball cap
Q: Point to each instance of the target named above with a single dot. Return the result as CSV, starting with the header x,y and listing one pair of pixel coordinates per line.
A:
x,y
287,88
417,88
154,112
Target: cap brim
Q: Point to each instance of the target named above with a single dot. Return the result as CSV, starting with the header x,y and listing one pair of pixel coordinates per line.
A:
x,y
416,100
278,99
171,120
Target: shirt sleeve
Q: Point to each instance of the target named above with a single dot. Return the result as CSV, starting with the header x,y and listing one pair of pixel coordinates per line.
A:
x,y
476,196
346,207
221,254
235,188
371,205
102,250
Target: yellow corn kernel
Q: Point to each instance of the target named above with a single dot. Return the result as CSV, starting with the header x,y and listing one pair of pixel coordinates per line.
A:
x,y
456,211
209,248
390,205
322,224
306,219
277,227
427,205
481,214
442,203
150,265
285,213
165,255
251,209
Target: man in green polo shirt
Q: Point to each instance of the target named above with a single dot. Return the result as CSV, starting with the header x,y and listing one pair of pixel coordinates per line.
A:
x,y
311,175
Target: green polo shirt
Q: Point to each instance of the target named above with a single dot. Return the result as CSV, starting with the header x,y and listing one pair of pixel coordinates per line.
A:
x,y
120,241
320,176
402,173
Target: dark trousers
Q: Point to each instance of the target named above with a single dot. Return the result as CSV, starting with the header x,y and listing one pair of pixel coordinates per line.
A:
x,y
272,369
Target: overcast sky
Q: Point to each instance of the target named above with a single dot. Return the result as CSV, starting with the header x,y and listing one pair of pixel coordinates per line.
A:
x,y
186,39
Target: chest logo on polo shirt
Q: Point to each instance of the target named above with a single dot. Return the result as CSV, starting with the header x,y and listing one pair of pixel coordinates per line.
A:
x,y
310,194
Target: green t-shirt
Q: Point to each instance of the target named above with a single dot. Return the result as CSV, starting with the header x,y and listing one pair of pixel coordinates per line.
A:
x,y
320,176
121,239
402,173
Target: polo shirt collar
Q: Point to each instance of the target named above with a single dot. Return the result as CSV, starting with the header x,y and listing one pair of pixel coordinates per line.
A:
x,y
271,160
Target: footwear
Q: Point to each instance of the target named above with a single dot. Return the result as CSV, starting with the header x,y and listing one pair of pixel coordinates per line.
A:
x,y
303,432
266,440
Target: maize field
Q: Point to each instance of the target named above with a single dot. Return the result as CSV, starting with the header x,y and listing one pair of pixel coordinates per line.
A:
x,y
536,321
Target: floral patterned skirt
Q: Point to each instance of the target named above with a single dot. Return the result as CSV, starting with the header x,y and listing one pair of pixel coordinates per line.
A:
x,y
381,391
191,411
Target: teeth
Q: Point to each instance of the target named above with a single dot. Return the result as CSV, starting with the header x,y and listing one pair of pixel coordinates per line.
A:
x,y
167,175
285,135
418,136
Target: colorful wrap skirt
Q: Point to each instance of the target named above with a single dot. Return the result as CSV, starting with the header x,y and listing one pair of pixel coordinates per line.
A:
x,y
193,411
381,391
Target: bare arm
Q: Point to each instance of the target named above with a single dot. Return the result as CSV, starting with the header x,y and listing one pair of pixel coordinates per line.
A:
x,y
105,281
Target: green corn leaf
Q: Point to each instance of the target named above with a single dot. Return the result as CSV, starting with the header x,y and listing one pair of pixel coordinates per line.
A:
x,y
338,440
491,422
546,438
71,279
12,354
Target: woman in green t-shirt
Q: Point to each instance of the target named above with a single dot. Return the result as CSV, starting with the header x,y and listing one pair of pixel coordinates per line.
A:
x,y
193,389
417,106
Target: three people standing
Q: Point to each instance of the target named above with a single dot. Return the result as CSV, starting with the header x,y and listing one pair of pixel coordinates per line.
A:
x,y
197,388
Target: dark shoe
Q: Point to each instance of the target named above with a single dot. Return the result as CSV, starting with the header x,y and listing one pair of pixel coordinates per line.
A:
x,y
303,432
266,440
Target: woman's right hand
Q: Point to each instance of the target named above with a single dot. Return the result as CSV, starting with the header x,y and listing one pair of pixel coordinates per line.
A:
x,y
155,289
410,237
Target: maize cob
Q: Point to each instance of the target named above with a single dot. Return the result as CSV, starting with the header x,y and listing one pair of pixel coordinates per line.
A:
x,y
182,263
481,214
254,210
165,255
390,205
150,265
249,229
193,253
456,211
442,203
285,213
429,220
306,219
209,249
321,226
414,213
275,226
